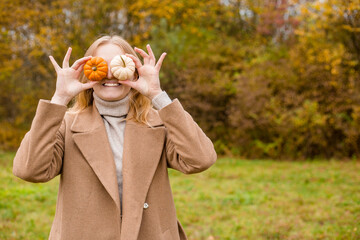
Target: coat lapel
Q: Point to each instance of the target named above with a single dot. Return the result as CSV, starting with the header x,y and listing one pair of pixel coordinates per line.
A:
x,y
141,154
142,151
91,138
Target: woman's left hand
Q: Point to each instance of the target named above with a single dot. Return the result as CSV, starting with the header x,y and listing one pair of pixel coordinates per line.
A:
x,y
148,83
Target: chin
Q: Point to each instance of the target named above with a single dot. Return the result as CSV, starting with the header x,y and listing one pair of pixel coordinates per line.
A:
x,y
113,97
112,93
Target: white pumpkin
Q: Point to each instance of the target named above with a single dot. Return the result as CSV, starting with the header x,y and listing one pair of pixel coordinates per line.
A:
x,y
122,67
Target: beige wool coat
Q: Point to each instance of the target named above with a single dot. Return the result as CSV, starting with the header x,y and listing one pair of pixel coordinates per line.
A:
x,y
76,146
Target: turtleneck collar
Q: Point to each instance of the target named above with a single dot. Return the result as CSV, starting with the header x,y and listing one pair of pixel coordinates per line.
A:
x,y
119,108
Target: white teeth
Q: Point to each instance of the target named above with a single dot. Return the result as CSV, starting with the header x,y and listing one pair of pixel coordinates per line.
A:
x,y
111,84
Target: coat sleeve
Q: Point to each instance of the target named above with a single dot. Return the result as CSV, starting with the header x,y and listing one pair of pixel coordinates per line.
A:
x,y
188,149
40,155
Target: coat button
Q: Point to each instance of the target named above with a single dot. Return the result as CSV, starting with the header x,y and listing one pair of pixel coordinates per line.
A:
x,y
146,205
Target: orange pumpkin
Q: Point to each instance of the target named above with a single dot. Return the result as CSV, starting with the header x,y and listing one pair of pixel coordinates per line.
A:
x,y
96,69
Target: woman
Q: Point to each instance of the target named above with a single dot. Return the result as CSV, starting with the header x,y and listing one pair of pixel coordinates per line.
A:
x,y
112,149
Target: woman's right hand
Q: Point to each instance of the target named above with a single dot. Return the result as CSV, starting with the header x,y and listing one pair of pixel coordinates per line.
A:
x,y
67,83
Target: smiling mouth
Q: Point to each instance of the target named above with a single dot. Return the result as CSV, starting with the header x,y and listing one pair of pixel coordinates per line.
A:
x,y
111,84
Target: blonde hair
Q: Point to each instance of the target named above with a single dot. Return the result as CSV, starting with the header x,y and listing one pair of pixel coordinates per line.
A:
x,y
139,104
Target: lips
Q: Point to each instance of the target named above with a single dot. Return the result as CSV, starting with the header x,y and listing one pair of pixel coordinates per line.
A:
x,y
111,84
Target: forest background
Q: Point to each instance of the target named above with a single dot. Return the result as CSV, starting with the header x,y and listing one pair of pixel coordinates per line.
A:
x,y
264,79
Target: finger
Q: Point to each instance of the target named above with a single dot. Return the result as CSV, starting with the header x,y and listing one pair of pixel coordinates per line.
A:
x,y
79,70
67,58
152,56
143,54
88,85
54,63
80,62
129,83
161,59
136,60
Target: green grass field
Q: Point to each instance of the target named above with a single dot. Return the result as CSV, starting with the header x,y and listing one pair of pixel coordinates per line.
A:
x,y
234,199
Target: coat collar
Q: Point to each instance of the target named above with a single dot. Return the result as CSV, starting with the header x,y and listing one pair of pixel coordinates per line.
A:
x,y
139,167
89,118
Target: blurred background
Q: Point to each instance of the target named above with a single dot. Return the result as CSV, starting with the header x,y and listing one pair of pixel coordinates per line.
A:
x,y
269,79
264,79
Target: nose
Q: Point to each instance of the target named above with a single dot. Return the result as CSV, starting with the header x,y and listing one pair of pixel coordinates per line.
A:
x,y
109,74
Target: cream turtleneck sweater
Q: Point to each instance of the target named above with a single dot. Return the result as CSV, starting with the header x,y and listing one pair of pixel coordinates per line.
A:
x,y
114,114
